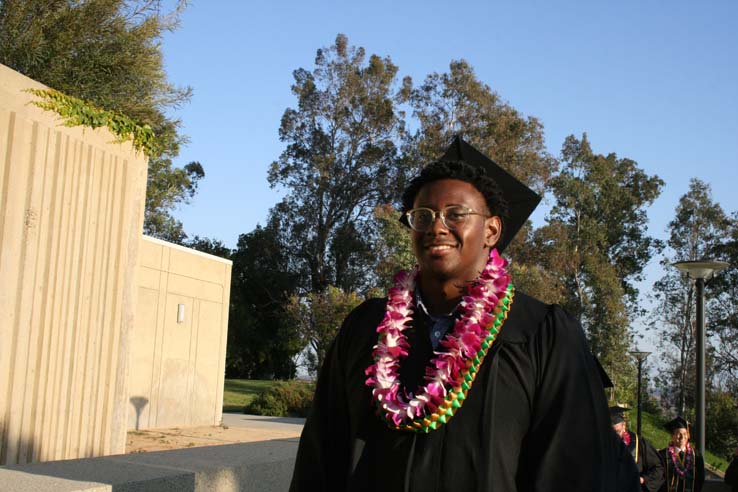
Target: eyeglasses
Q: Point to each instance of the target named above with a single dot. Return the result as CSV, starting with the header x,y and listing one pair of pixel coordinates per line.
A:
x,y
454,216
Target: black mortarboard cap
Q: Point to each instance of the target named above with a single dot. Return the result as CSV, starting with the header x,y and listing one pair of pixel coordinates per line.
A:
x,y
676,423
521,200
617,413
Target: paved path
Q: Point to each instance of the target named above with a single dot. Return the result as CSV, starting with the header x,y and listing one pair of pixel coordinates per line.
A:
x,y
262,422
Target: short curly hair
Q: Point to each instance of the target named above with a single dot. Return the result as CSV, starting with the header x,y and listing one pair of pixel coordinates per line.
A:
x,y
474,175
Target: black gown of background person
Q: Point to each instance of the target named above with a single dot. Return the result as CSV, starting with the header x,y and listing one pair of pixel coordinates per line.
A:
x,y
731,474
691,482
648,461
535,419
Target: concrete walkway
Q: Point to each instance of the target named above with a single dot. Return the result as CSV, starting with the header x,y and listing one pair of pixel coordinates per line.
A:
x,y
262,460
280,424
247,453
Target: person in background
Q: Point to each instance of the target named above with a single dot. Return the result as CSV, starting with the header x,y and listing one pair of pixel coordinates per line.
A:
x,y
731,474
644,454
684,467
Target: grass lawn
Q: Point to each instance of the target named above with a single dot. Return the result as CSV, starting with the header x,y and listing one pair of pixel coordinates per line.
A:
x,y
239,392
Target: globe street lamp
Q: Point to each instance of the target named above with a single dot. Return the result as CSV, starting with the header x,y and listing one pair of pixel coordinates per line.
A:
x,y
640,357
700,271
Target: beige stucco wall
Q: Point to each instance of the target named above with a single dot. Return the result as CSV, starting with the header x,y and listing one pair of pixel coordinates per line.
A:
x,y
177,369
71,214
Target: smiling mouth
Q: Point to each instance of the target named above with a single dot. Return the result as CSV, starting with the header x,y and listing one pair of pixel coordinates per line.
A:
x,y
439,248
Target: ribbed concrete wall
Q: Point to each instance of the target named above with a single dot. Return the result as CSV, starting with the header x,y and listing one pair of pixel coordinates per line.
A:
x,y
71,213
177,366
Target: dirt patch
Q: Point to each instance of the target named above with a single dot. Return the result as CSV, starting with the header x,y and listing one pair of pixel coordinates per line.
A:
x,y
144,441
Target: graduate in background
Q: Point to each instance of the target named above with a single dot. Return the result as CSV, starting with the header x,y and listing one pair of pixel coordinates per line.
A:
x,y
644,454
456,381
685,469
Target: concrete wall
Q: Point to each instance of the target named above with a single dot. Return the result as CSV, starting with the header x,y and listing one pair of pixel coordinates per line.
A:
x,y
71,213
177,368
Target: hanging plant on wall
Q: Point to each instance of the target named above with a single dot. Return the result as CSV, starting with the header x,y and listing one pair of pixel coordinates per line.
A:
x,y
76,112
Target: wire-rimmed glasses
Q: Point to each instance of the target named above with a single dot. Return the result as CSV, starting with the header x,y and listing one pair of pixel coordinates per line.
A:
x,y
453,216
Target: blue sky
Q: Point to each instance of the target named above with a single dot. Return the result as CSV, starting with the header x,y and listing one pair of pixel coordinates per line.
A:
x,y
656,82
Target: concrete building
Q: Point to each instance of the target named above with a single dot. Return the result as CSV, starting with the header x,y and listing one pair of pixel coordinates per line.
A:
x,y
177,365
77,356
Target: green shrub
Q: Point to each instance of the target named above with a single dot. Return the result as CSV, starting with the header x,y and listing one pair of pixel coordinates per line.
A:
x,y
238,393
283,399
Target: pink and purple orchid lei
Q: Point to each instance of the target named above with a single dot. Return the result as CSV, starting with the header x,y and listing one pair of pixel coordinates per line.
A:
x,y
688,457
445,370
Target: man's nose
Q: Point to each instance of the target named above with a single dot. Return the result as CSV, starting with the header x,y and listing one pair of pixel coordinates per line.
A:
x,y
437,226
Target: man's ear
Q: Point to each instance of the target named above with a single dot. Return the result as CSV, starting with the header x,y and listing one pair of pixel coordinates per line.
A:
x,y
492,231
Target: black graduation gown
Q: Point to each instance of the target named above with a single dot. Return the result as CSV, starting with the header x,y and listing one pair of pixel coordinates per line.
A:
x,y
535,419
692,481
731,475
648,462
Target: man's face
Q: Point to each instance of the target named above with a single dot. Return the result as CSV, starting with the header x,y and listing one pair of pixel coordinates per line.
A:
x,y
458,254
619,428
680,437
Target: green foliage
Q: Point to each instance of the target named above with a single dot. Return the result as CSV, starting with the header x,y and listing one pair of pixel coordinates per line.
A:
x,y
603,201
284,399
652,428
261,339
108,52
167,187
538,282
76,112
213,247
318,317
394,247
721,422
699,224
238,393
104,51
723,312
340,161
594,244
698,229
457,102
715,461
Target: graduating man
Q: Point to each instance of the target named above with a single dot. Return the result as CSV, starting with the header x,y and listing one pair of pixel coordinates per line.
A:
x,y
456,381
684,468
644,454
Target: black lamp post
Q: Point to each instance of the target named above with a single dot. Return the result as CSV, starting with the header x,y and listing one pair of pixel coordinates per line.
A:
x,y
700,271
640,357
